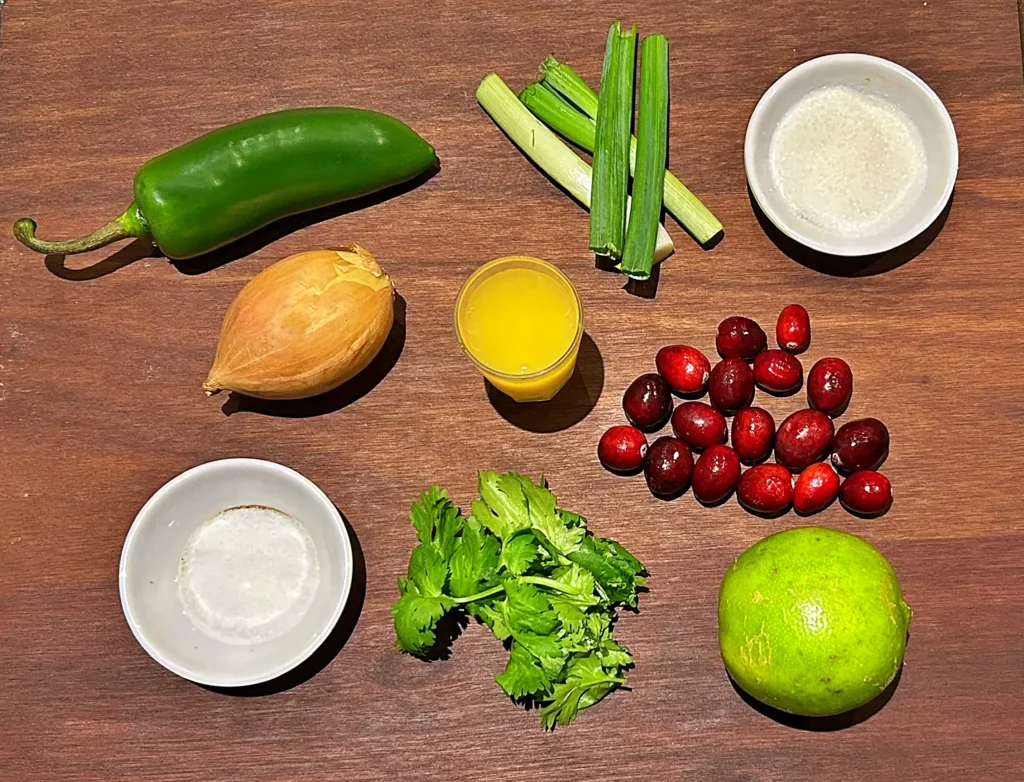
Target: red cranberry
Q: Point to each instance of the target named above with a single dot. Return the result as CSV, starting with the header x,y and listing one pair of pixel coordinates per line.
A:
x,y
778,371
766,488
731,385
793,331
622,449
668,467
803,438
699,425
861,445
867,492
648,401
740,338
715,474
753,434
686,369
816,487
830,385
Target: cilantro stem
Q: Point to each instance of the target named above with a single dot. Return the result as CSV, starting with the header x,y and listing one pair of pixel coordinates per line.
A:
x,y
558,586
479,595
550,583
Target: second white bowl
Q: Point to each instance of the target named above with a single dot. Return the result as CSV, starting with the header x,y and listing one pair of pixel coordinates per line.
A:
x,y
872,75
151,556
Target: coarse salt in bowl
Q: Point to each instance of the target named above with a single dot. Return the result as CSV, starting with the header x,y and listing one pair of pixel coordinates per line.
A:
x,y
235,571
851,155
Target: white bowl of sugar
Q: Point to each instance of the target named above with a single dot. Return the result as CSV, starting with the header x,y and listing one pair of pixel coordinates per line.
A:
x,y
235,571
850,154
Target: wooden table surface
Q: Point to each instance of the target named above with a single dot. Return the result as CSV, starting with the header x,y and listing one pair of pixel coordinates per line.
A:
x,y
100,399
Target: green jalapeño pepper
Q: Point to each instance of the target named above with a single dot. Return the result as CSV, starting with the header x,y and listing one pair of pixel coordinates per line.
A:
x,y
232,181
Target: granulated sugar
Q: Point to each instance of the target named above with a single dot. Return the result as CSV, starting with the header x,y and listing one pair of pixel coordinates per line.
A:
x,y
849,162
248,575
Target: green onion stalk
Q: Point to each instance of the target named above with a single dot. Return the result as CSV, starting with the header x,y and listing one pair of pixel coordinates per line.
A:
x,y
545,149
611,145
652,150
577,96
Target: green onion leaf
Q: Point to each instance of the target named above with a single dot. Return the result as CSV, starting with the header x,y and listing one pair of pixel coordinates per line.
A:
x,y
544,148
611,144
551,109
684,205
652,149
566,82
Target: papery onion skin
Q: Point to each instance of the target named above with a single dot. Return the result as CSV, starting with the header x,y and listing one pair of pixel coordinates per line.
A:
x,y
304,326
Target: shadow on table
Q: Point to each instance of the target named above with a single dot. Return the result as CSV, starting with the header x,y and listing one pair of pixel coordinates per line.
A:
x,y
642,289
648,289
449,628
247,245
843,266
340,397
331,646
823,724
570,406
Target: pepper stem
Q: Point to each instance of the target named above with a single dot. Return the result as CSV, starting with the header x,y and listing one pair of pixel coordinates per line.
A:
x,y
130,223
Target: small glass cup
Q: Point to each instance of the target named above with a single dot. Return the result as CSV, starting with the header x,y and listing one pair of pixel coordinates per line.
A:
x,y
539,385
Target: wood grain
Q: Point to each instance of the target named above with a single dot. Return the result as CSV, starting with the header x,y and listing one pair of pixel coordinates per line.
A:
x,y
100,399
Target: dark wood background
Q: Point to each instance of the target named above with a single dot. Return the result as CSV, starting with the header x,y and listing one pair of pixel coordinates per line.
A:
x,y
101,361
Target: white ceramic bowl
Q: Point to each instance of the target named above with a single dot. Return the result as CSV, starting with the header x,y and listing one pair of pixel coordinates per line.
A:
x,y
872,75
151,555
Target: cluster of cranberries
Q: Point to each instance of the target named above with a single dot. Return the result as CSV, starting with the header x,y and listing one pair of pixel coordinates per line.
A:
x,y
801,443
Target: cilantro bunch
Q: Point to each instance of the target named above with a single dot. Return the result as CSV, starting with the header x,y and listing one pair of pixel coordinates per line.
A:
x,y
532,573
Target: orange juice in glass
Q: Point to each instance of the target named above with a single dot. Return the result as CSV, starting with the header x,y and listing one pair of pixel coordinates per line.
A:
x,y
519,319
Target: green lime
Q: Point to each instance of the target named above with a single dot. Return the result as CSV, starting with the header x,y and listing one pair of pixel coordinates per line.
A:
x,y
812,621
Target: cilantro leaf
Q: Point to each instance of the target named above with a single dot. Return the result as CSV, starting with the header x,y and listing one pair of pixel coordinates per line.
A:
x,y
630,567
437,521
519,552
427,571
523,676
568,613
616,570
422,601
503,496
580,581
585,684
599,624
571,608
571,519
475,560
627,562
422,514
416,617
595,693
545,648
493,617
614,655
526,608
556,529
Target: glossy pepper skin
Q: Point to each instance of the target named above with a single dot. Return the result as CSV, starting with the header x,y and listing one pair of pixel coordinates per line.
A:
x,y
237,179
